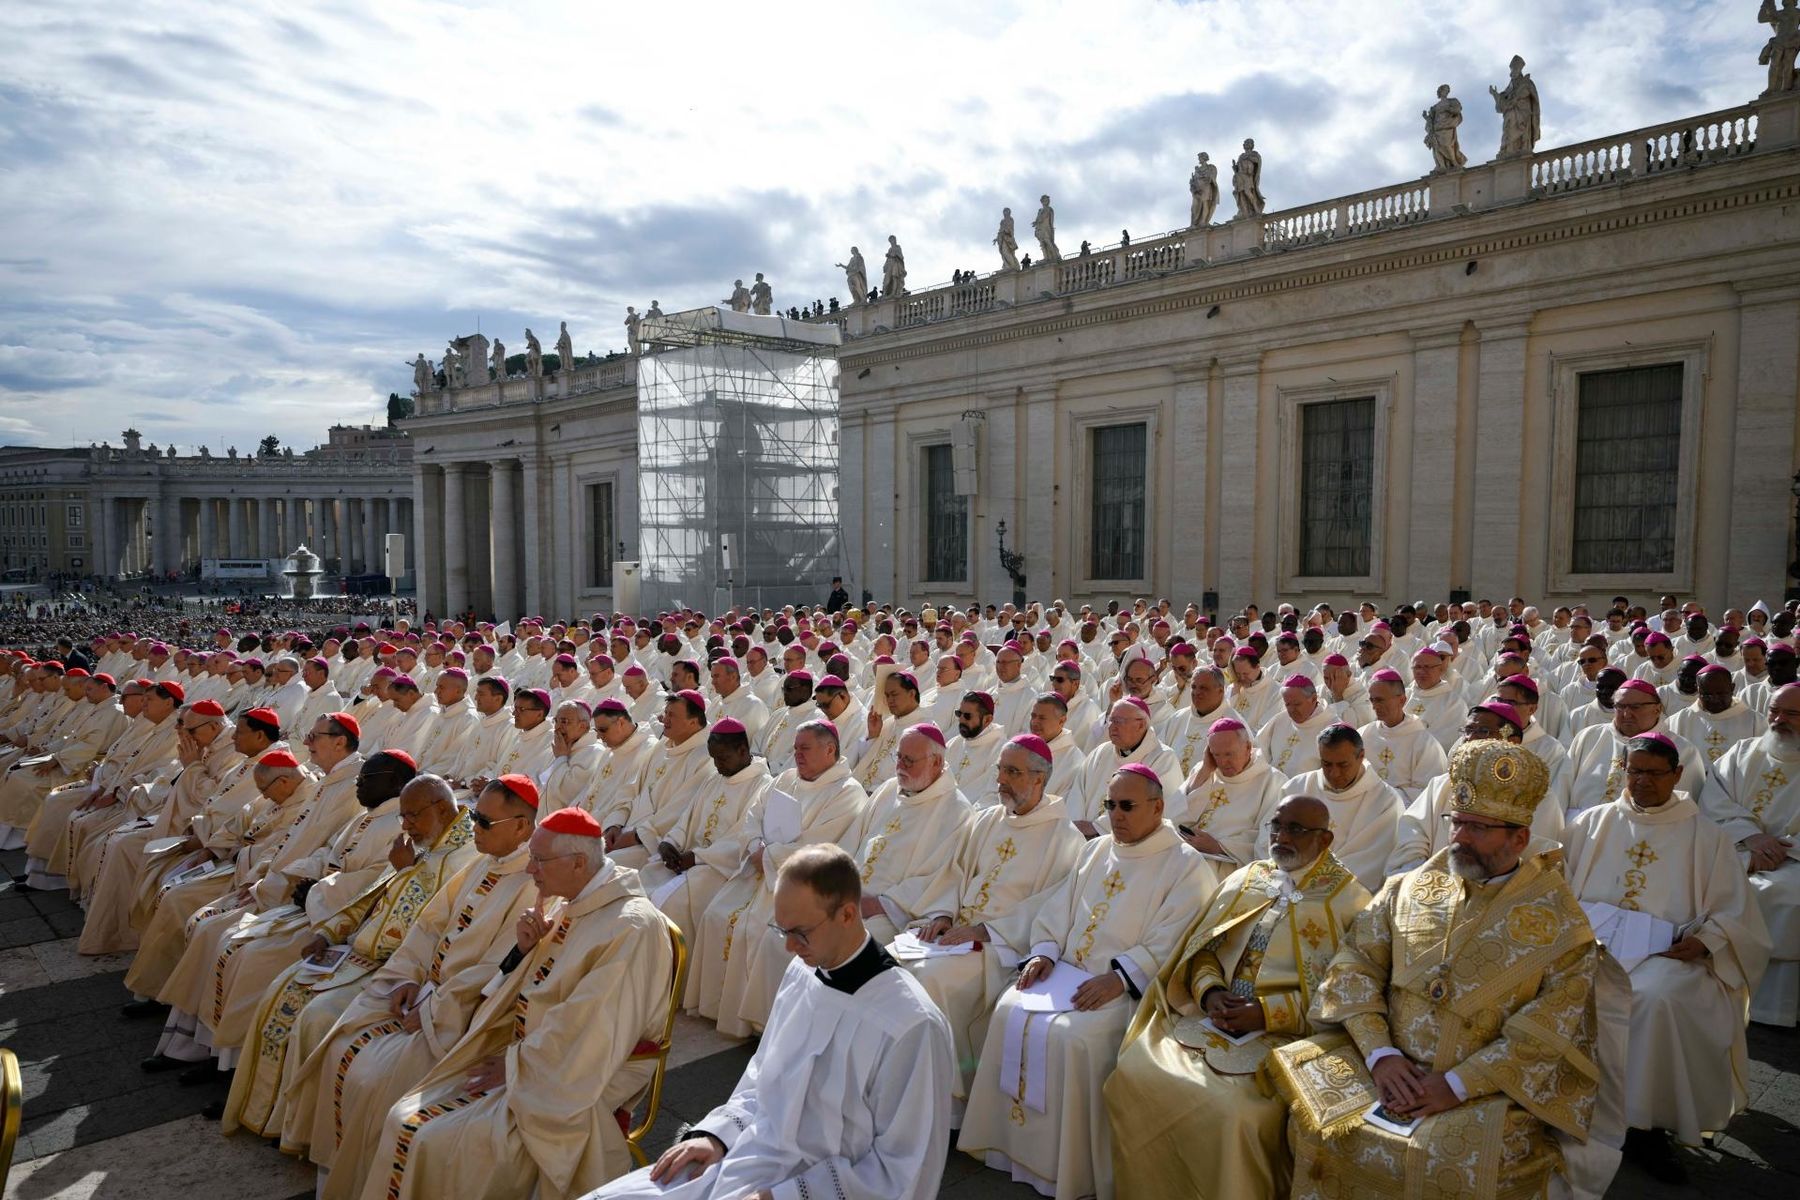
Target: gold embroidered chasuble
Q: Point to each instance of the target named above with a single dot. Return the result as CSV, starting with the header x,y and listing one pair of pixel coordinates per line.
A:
x,y
1494,982
1188,1114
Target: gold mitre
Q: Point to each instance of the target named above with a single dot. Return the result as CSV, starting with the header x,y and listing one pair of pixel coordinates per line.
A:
x,y
1497,780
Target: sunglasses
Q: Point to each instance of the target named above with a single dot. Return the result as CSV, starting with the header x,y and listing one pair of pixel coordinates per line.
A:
x,y
483,821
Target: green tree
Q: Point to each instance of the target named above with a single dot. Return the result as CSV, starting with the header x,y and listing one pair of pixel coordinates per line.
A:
x,y
269,447
399,408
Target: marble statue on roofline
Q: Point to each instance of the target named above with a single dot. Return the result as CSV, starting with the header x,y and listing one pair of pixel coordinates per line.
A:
x,y
1007,242
1246,181
631,329
534,356
1517,105
565,349
422,374
1043,226
1441,120
498,360
1778,53
1203,190
762,296
856,276
739,300
893,269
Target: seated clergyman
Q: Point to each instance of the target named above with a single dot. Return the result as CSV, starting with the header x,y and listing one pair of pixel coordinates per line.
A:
x,y
1188,1116
848,1093
1650,861
1466,996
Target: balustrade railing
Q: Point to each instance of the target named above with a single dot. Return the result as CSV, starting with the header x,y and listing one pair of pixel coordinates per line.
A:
x,y
1689,142
1077,274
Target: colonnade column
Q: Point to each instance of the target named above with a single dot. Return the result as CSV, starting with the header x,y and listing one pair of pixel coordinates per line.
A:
x,y
323,517
295,519
207,530
456,540
505,544
372,527
235,525
269,544
168,533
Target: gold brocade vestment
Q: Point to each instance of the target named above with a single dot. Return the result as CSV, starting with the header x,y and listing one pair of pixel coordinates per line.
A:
x,y
1494,982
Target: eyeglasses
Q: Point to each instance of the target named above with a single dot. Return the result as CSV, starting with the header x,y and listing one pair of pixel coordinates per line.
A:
x,y
1647,772
1293,829
540,860
798,934
483,821
1464,825
1123,806
1634,705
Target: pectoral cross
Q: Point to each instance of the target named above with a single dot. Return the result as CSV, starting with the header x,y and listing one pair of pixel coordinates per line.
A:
x,y
1641,855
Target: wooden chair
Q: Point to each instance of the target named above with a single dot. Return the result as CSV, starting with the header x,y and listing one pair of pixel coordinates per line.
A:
x,y
647,1050
14,1085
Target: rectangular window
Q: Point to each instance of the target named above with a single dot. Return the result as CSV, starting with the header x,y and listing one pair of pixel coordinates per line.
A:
x,y
1337,486
1627,456
1118,506
946,519
600,535
75,517
77,541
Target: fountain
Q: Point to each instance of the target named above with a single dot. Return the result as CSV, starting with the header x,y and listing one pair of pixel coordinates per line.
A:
x,y
302,572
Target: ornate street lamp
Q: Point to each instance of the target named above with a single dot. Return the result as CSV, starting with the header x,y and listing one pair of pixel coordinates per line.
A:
x,y
1013,563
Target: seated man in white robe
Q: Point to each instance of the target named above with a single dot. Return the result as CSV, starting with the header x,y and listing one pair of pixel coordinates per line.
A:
x,y
707,846
1230,794
1290,740
735,970
1186,732
873,763
975,750
1130,738
1662,887
1597,753
1011,854
525,1102
1398,745
672,772
1254,696
848,1092
576,756
1717,720
1097,940
1365,812
1753,792
1049,721
796,707
1435,700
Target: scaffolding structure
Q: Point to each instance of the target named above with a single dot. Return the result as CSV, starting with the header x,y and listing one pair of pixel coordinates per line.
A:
x,y
738,460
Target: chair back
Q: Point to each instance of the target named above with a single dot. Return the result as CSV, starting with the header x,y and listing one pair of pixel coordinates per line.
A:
x,y
659,1050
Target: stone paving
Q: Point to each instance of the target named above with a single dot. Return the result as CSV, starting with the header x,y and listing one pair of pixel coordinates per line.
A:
x,y
96,1126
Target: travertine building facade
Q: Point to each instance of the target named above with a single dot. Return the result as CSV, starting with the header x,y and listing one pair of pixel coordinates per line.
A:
x,y
1566,374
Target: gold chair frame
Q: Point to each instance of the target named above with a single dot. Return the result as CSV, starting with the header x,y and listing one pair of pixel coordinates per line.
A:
x,y
15,1111
634,1136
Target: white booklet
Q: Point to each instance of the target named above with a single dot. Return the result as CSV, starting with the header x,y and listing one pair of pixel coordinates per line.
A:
x,y
781,817
1629,935
1056,991
910,947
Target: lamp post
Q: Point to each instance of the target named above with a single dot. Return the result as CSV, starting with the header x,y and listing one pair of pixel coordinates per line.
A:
x,y
1013,563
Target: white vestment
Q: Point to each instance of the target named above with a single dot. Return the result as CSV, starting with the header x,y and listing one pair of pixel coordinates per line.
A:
x,y
1755,788
1406,756
1685,1069
1365,822
856,1105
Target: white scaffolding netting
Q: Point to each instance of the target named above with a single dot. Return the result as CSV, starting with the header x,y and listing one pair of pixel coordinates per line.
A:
x,y
737,460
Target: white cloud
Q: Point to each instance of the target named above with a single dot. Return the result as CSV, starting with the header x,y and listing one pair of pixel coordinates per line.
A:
x,y
242,218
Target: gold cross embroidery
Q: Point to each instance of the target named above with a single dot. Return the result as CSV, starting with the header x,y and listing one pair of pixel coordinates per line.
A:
x,y
1641,855
1773,778
1384,758
1312,933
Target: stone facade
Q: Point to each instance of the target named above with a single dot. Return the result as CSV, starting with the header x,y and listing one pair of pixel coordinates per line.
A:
x,y
1468,307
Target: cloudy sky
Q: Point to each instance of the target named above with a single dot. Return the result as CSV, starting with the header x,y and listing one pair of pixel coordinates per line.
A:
x,y
219,221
